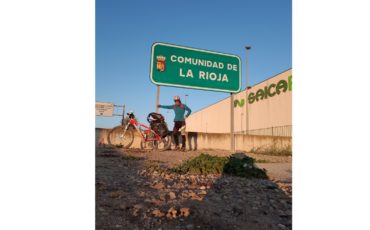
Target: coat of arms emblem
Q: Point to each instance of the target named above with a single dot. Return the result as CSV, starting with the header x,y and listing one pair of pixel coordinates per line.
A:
x,y
161,63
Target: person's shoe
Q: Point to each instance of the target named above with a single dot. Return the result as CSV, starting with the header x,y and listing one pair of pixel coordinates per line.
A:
x,y
177,148
183,149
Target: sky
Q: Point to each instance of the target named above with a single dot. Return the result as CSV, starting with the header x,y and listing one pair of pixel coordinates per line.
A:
x,y
126,30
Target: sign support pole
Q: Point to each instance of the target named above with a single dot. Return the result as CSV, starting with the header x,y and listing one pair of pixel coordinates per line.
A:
x,y
246,91
157,102
123,113
232,137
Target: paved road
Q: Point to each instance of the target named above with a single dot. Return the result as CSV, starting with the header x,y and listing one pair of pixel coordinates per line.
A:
x,y
278,171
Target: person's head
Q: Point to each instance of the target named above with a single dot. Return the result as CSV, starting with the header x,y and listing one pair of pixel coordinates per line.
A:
x,y
177,100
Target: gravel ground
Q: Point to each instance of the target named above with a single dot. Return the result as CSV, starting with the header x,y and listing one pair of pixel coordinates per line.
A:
x,y
132,192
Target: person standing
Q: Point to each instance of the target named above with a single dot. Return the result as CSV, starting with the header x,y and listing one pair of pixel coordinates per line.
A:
x,y
179,120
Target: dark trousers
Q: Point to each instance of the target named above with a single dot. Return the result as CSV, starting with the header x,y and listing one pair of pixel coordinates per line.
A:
x,y
176,127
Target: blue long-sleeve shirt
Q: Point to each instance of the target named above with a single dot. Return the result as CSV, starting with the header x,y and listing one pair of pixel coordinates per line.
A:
x,y
179,111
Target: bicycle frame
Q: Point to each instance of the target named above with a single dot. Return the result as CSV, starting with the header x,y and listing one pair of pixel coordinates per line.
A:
x,y
147,130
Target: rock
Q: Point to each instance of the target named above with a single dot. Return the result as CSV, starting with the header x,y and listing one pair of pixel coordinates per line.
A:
x,y
202,192
171,214
203,187
159,185
158,213
124,206
184,212
192,186
196,197
189,226
162,196
237,211
157,202
147,200
115,194
172,195
135,212
185,194
138,206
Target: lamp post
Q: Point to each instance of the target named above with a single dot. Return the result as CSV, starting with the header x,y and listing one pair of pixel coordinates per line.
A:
x,y
247,48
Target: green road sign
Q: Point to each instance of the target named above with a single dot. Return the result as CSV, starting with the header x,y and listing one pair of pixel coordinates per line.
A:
x,y
185,67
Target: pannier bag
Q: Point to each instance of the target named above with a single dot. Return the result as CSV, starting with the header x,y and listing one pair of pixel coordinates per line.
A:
x,y
157,123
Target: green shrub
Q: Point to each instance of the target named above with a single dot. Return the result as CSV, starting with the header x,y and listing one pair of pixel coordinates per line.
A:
x,y
202,164
273,151
206,164
244,167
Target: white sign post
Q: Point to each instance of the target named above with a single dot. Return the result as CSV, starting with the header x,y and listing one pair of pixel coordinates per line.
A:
x,y
104,109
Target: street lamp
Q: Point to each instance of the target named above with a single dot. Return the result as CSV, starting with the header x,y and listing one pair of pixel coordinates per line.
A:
x,y
186,98
246,88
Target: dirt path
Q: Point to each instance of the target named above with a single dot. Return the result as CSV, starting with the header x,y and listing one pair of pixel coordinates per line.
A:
x,y
132,192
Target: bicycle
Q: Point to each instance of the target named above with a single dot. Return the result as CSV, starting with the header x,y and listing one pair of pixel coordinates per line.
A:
x,y
123,135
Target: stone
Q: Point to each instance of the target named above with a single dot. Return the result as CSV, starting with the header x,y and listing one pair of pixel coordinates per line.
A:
x,y
184,212
192,186
189,226
172,195
115,194
157,213
138,206
202,192
171,214
157,202
135,212
147,200
159,185
203,187
185,194
124,206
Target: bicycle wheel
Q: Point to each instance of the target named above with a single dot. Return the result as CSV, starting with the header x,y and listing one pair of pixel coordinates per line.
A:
x,y
164,143
147,145
116,137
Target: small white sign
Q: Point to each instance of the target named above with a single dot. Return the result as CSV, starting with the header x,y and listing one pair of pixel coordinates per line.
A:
x,y
104,109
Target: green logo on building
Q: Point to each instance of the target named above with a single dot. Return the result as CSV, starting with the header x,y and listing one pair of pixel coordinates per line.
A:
x,y
268,91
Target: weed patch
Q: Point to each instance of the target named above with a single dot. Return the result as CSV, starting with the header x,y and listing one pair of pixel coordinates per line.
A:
x,y
235,166
273,151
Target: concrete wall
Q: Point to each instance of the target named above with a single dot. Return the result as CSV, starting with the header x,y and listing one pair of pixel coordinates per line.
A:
x,y
266,113
216,141
242,142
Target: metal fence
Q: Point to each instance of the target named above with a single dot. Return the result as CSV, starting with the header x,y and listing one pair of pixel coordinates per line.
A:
x,y
279,131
